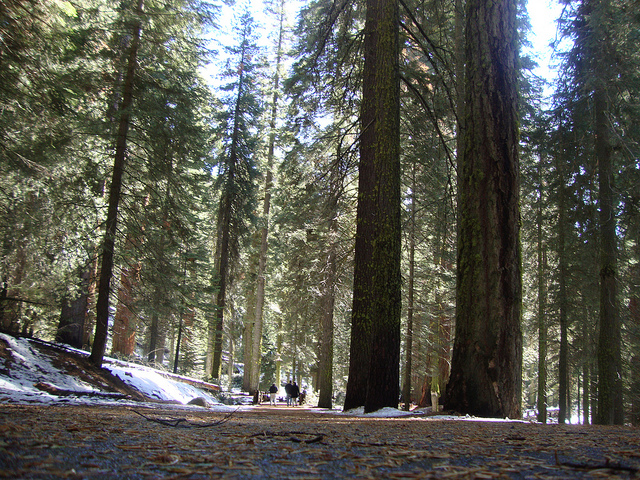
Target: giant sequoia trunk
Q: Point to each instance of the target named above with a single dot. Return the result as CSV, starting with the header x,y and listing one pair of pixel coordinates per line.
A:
x,y
375,334
124,321
487,354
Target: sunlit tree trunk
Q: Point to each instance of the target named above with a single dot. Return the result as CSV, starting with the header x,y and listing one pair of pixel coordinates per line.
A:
x,y
124,321
256,348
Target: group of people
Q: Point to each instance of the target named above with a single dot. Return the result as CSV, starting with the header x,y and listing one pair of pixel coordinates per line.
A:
x,y
293,394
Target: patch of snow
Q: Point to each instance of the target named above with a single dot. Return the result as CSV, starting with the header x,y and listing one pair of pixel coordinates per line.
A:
x,y
386,412
389,412
28,368
154,385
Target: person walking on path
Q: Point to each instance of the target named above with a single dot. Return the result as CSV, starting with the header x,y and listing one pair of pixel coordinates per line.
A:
x,y
288,388
272,394
295,393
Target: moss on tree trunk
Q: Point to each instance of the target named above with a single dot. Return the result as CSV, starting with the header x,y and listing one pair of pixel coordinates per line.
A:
x,y
375,338
487,355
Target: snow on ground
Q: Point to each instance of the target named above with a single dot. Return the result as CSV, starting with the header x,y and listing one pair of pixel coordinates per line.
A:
x,y
154,385
389,412
30,368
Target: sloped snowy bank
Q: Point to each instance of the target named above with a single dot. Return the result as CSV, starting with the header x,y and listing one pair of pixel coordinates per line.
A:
x,y
29,376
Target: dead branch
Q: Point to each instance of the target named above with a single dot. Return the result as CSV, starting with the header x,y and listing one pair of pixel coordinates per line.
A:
x,y
183,422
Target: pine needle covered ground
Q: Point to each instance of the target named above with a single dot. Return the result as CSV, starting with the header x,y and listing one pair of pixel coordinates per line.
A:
x,y
277,442
144,438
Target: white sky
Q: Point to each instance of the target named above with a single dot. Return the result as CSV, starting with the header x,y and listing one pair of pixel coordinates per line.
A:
x,y
543,15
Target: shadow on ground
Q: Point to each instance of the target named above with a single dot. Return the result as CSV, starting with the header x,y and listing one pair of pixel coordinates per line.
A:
x,y
100,442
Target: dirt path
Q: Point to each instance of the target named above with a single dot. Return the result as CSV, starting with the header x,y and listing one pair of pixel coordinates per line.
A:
x,y
265,442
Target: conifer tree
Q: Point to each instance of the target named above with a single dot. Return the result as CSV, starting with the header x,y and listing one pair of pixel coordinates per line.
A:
x,y
109,242
236,173
252,365
46,97
610,388
595,93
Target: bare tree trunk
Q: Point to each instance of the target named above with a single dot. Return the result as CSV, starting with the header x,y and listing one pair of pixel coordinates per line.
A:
x,y
154,331
634,325
256,349
562,290
294,349
124,322
460,83
635,390
250,315
108,248
586,404
610,405
610,401
279,353
222,269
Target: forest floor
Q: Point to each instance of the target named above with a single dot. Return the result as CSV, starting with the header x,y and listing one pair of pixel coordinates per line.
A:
x,y
144,439
99,442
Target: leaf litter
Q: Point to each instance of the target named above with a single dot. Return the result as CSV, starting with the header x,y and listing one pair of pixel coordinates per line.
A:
x,y
266,442
52,432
